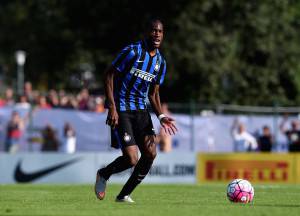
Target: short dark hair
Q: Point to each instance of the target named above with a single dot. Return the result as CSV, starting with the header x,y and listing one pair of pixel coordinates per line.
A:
x,y
151,21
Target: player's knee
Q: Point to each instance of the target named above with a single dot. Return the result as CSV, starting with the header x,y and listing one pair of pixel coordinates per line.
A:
x,y
133,160
151,155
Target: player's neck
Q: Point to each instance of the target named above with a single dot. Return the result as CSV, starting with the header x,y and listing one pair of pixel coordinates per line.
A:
x,y
151,50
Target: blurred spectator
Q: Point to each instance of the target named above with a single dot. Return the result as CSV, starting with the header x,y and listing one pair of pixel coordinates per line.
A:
x,y
292,134
165,140
266,140
96,104
61,93
42,103
23,103
2,102
9,97
14,130
73,102
83,99
29,92
50,140
243,141
2,131
69,144
99,104
68,102
54,99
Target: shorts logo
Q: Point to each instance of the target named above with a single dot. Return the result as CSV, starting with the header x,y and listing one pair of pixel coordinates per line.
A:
x,y
127,137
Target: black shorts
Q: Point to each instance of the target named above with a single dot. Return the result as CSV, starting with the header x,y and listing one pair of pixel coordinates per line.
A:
x,y
132,128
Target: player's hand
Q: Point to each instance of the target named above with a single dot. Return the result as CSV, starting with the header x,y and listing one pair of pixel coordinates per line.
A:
x,y
169,125
112,118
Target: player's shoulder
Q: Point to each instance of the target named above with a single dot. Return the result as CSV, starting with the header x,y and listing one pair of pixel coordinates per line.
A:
x,y
133,48
162,57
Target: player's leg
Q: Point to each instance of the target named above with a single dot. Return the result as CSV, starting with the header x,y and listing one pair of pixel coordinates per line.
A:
x,y
148,154
147,147
128,159
124,135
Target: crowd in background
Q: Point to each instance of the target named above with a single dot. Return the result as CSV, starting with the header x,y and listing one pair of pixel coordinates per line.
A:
x,y
34,99
48,139
52,99
244,141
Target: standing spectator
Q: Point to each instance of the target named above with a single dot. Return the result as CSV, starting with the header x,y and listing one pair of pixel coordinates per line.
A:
x,y
53,99
83,99
99,104
243,140
2,132
23,103
42,103
292,134
50,141
14,132
29,92
9,97
266,140
68,102
2,102
69,144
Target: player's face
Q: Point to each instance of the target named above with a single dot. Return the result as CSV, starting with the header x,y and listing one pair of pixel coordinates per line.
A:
x,y
156,34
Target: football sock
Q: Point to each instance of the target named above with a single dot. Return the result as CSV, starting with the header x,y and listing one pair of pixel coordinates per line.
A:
x,y
118,165
140,171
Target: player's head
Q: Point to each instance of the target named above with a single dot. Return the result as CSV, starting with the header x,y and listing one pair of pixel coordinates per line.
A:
x,y
154,33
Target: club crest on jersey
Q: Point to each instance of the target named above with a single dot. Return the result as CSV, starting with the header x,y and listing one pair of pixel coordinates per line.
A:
x,y
142,74
127,137
156,68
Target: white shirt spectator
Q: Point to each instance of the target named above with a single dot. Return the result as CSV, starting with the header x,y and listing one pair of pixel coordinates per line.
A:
x,y
243,140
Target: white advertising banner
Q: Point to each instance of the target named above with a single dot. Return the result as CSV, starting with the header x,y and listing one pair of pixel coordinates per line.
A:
x,y
81,168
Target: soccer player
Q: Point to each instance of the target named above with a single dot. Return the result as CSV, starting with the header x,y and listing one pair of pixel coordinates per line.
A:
x,y
136,73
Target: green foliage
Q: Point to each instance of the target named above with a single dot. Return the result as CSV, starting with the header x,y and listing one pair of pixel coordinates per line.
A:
x,y
240,52
218,51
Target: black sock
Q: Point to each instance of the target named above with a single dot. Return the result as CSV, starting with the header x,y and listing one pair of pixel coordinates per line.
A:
x,y
118,165
140,171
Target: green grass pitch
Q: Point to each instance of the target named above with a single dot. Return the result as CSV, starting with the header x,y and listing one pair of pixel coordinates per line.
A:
x,y
152,200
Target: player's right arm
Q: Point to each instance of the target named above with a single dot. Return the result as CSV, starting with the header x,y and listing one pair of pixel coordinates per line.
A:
x,y
112,116
118,66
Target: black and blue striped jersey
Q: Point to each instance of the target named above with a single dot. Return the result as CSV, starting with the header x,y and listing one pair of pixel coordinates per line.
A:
x,y
137,71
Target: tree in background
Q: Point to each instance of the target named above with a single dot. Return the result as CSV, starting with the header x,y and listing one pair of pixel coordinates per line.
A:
x,y
238,52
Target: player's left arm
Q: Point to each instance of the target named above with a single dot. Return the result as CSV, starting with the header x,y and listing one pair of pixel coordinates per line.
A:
x,y
166,122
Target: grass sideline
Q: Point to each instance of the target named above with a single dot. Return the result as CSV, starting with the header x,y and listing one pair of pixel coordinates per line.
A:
x,y
152,200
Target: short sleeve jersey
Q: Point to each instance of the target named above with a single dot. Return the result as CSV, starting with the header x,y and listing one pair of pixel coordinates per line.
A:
x,y
137,70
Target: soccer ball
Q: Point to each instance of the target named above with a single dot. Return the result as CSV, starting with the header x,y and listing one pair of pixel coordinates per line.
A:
x,y
240,190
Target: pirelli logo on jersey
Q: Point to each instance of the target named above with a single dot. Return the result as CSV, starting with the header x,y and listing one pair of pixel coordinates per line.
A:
x,y
142,74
